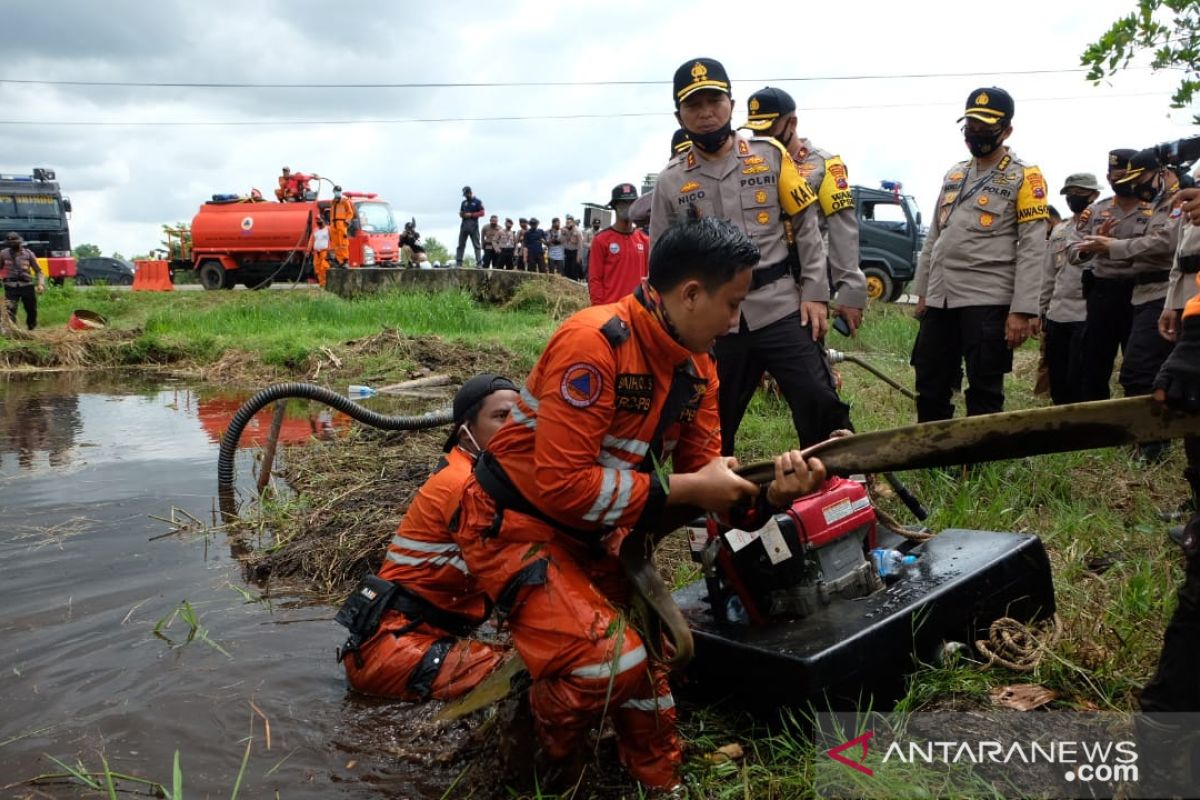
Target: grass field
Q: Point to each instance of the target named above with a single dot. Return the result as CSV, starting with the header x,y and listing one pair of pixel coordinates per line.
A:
x,y
1114,568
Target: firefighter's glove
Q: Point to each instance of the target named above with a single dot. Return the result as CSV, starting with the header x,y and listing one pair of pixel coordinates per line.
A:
x,y
1178,380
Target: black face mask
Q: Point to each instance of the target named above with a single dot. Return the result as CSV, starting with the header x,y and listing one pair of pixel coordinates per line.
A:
x,y
785,140
982,144
1146,192
712,142
1077,203
1123,189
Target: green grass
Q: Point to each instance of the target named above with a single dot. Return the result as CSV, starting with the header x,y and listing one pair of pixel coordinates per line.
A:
x,y
280,328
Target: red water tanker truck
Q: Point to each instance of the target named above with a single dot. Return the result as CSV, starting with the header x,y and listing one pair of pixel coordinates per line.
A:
x,y
256,242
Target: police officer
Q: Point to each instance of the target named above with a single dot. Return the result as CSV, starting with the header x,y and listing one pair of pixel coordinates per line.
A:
x,y
1137,235
469,211
980,271
21,273
1107,286
755,184
773,113
1063,308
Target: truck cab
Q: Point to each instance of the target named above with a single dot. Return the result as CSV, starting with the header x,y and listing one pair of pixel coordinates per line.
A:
x,y
890,238
33,206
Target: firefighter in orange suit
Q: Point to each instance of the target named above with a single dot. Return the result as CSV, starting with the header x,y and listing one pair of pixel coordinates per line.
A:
x,y
421,649
341,213
619,389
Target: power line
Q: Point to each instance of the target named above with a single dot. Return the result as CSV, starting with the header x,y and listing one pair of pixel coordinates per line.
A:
x,y
515,84
507,118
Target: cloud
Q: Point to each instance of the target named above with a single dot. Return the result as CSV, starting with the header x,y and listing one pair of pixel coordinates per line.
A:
x,y
127,180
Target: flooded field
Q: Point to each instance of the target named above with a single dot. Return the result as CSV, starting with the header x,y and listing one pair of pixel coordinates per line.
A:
x,y
128,632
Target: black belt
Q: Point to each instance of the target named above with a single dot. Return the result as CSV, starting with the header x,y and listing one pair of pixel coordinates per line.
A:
x,y
1158,276
419,611
493,480
761,277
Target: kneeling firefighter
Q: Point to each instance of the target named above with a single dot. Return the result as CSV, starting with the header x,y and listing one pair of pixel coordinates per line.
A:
x,y
618,389
409,624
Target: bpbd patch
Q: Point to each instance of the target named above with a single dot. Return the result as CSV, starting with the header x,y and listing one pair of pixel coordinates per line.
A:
x,y
635,392
581,385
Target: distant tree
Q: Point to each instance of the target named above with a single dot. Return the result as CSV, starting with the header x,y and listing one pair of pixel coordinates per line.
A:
x,y
436,250
115,254
1170,29
178,240
87,251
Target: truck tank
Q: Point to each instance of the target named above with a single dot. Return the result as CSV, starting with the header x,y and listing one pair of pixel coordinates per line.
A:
x,y
262,228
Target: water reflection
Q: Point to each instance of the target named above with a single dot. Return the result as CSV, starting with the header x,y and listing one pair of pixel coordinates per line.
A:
x,y
92,469
70,420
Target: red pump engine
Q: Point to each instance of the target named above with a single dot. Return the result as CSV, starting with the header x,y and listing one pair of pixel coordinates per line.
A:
x,y
796,563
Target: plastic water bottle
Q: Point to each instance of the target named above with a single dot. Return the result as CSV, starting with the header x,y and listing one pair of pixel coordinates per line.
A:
x,y
735,612
891,564
357,390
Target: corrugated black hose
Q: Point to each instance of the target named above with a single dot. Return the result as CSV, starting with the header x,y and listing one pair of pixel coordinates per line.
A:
x,y
308,391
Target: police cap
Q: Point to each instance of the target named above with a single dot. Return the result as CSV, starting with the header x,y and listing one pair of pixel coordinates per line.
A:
x,y
1140,162
990,105
767,105
680,141
697,75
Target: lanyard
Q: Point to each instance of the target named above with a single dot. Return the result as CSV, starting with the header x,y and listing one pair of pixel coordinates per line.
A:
x,y
979,184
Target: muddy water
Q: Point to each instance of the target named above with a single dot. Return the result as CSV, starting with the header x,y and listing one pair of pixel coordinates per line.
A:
x,y
84,463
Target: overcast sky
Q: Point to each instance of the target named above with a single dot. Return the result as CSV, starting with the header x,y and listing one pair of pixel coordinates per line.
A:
x,y
125,180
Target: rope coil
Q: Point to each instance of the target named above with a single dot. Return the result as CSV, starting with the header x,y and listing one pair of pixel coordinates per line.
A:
x,y
1018,646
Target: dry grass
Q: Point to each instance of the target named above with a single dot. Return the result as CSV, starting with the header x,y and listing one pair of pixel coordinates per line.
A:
x,y
350,495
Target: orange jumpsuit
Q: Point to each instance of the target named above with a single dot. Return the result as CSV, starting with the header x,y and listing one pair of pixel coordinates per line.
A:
x,y
571,465
320,254
428,661
341,212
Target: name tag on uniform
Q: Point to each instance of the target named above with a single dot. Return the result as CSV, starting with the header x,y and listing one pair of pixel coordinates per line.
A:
x,y
635,392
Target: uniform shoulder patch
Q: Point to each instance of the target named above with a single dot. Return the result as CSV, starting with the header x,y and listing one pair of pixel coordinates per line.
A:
x,y
581,384
1031,197
835,193
795,194
616,331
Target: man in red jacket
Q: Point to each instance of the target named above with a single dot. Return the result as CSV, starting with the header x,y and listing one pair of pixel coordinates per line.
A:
x,y
617,261
421,648
619,389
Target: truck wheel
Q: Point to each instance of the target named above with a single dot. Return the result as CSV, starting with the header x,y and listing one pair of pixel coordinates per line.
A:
x,y
898,292
879,284
58,281
212,275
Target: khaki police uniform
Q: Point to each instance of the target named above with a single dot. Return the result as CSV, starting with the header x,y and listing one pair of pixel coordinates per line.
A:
x,y
757,187
829,179
491,250
1065,317
1127,291
1181,286
983,259
21,273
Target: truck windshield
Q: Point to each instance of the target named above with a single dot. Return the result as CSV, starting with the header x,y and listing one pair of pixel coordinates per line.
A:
x,y
30,206
376,218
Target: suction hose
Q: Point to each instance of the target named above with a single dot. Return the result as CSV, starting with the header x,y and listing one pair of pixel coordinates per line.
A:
x,y
308,391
